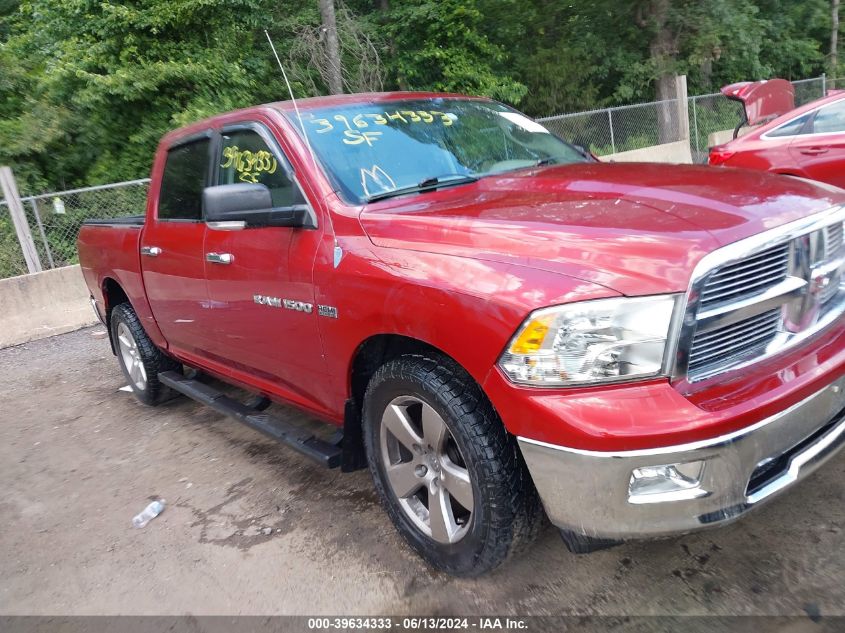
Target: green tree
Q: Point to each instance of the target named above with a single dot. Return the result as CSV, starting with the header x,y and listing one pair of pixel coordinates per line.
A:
x,y
92,86
440,45
796,32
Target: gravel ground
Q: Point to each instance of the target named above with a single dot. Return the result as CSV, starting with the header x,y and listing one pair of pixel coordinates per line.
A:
x,y
253,528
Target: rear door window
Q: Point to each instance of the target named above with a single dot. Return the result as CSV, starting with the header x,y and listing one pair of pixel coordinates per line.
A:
x,y
246,157
793,128
830,119
183,181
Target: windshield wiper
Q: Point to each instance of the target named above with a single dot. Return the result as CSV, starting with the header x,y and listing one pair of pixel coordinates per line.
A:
x,y
427,184
553,160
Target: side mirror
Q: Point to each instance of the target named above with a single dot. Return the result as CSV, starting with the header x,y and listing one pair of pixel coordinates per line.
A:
x,y
250,203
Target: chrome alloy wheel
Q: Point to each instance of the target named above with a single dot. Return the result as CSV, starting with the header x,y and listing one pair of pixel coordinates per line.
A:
x,y
426,470
131,356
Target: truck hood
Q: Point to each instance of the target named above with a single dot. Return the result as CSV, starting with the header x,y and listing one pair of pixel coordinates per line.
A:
x,y
637,229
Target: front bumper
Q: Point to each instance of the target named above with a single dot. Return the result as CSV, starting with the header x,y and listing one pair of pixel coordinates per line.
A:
x,y
589,492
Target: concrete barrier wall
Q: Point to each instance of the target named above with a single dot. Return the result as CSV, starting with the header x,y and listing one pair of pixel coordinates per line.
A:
x,y
719,138
43,304
723,136
678,152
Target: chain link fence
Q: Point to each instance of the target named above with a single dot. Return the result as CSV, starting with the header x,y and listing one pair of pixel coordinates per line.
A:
x,y
11,256
54,220
709,114
619,129
624,128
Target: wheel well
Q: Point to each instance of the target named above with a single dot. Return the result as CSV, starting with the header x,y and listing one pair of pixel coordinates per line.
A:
x,y
113,295
370,355
375,352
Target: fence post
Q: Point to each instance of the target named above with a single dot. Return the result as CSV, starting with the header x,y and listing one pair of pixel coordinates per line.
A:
x,y
683,107
38,221
695,127
612,136
824,84
13,200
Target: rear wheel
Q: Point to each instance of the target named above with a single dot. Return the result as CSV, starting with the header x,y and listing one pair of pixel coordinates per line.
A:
x,y
138,356
450,477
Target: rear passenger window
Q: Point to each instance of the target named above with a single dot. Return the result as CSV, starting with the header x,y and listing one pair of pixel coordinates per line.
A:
x,y
793,128
183,181
830,119
247,158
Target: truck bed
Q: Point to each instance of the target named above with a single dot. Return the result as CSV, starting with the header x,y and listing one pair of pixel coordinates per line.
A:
x,y
109,252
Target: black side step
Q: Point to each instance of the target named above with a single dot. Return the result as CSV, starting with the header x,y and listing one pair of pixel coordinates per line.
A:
x,y
322,452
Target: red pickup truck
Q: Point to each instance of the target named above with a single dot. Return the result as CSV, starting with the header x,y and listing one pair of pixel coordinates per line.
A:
x,y
500,327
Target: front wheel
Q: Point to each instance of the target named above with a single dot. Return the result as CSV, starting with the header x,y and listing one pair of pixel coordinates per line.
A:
x,y
139,358
450,477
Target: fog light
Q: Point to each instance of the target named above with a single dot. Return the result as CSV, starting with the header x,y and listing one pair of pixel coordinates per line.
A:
x,y
670,482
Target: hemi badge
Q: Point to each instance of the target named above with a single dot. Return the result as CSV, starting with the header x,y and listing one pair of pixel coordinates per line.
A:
x,y
327,311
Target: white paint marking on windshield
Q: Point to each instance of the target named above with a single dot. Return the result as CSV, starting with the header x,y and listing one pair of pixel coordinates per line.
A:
x,y
378,177
524,122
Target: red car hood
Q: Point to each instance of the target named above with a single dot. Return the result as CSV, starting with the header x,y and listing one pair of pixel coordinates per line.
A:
x,y
635,228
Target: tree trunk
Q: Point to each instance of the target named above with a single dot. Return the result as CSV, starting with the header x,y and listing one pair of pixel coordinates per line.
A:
x,y
654,14
834,38
335,73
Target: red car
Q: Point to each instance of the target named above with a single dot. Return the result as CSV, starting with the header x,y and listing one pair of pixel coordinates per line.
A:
x,y
489,318
808,141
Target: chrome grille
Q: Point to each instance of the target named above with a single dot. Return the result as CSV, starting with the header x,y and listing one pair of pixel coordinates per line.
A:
x,y
755,298
747,277
833,248
718,347
832,290
833,238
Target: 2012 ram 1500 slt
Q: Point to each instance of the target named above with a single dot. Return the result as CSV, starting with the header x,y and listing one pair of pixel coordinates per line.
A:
x,y
502,327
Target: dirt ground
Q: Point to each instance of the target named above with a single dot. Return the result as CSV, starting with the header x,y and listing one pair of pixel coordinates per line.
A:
x,y
253,528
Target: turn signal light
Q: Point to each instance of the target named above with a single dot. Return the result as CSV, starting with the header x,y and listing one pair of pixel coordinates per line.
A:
x,y
532,336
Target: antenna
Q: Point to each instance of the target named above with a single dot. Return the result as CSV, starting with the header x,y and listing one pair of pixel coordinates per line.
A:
x,y
293,100
338,252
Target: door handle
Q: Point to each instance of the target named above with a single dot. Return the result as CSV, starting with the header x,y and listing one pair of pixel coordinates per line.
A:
x,y
150,251
814,151
219,258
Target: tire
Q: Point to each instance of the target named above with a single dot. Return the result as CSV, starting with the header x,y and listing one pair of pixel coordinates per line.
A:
x,y
471,461
139,358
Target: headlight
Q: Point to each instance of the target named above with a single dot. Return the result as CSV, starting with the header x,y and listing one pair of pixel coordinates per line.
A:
x,y
592,341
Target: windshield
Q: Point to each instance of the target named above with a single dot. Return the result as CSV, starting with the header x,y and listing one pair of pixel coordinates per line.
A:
x,y
372,149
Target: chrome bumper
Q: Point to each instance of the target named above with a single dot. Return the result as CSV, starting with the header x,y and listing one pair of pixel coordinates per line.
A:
x,y
589,492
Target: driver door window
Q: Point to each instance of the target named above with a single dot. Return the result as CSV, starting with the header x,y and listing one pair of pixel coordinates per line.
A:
x,y
246,157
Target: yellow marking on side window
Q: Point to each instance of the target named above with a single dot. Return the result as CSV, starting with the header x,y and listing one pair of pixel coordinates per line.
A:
x,y
249,165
